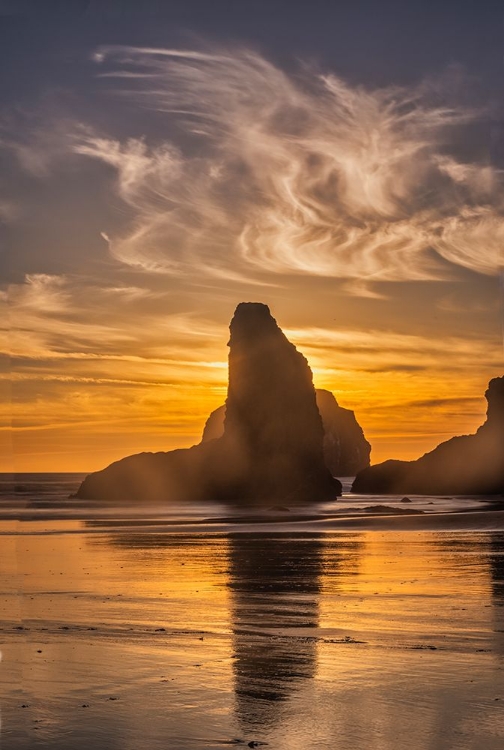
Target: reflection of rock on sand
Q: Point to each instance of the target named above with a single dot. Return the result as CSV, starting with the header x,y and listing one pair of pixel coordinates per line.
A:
x,y
496,569
275,585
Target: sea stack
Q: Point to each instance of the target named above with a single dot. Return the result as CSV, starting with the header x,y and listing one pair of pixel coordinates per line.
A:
x,y
272,447
465,465
272,421
346,450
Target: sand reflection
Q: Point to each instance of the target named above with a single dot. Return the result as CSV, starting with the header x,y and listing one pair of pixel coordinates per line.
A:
x,y
275,585
297,639
496,567
496,571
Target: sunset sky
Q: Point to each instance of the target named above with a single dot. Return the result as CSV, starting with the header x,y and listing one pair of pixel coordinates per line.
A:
x,y
161,162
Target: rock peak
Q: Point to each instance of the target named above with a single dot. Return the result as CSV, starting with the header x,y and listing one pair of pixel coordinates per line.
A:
x,y
272,420
249,309
251,321
495,399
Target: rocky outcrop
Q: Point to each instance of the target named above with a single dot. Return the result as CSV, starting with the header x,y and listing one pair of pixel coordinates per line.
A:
x,y
465,465
180,476
346,450
214,426
272,422
271,449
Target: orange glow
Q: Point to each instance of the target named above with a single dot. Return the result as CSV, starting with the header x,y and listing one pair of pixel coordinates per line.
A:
x,y
114,385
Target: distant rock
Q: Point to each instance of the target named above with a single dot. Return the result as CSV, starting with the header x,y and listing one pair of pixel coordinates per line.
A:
x,y
214,426
465,465
346,450
271,448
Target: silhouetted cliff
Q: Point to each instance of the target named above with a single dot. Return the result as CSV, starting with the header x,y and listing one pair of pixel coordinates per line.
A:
x,y
214,426
271,449
272,421
465,465
346,450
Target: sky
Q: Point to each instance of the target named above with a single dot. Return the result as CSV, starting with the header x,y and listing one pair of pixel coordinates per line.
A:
x,y
162,162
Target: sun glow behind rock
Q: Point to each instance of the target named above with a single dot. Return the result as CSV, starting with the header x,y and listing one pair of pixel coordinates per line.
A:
x,y
350,210
115,387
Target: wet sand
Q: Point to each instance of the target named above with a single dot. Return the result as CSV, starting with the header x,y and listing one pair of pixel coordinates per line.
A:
x,y
102,518
334,631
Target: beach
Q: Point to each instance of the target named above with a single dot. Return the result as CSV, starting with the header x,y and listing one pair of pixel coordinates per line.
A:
x,y
180,628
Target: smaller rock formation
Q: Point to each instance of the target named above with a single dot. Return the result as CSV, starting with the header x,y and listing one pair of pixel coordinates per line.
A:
x,y
214,426
346,450
465,465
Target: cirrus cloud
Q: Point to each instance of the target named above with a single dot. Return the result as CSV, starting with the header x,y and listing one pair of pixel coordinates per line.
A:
x,y
296,174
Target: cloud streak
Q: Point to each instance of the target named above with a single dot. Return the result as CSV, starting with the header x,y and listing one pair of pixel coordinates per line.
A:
x,y
57,317
283,174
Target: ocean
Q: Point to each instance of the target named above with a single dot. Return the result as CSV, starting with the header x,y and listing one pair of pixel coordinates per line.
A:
x,y
44,496
332,626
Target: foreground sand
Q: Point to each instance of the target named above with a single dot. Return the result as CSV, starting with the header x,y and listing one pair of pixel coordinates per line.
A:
x,y
336,632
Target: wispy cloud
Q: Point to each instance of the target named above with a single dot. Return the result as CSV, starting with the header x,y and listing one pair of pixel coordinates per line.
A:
x,y
291,174
8,211
453,402
66,317
360,349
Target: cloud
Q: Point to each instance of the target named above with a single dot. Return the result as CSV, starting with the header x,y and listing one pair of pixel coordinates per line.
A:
x,y
51,316
283,174
456,401
396,368
41,293
8,211
388,352
40,137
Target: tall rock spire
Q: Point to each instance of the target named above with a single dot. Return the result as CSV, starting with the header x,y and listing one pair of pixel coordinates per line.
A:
x,y
272,419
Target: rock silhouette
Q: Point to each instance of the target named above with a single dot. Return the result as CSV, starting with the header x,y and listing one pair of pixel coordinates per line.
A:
x,y
271,448
346,450
272,422
464,465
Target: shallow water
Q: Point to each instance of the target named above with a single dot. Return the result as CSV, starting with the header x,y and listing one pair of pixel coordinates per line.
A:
x,y
119,635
